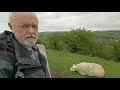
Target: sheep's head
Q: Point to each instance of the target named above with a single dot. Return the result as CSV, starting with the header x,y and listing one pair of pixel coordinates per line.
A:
x,y
73,67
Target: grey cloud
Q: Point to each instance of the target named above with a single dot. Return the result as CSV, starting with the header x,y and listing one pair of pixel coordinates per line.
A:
x,y
65,20
4,17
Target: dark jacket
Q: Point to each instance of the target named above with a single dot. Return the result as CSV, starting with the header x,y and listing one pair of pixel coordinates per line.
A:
x,y
22,65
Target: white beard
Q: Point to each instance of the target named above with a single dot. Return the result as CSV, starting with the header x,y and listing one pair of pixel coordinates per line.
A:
x,y
28,42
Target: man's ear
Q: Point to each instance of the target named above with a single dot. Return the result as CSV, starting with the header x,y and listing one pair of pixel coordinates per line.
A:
x,y
10,26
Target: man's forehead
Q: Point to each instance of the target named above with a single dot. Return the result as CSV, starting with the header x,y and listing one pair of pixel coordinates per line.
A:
x,y
26,21
25,15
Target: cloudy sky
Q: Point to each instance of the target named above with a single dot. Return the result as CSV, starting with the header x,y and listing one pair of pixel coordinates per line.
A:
x,y
62,21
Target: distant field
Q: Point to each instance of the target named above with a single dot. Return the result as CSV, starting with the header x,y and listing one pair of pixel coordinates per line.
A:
x,y
60,63
107,35
100,35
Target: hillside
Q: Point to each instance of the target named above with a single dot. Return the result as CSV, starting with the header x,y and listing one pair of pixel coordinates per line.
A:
x,y
60,63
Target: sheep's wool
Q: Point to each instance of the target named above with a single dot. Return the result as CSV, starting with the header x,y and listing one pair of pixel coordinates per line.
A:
x,y
90,69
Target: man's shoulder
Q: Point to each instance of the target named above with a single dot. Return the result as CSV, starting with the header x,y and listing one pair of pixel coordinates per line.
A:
x,y
5,42
5,36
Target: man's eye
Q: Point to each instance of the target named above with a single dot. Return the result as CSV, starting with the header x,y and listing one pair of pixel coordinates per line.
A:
x,y
35,27
23,26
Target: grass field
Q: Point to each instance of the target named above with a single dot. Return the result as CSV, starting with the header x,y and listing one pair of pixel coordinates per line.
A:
x,y
60,63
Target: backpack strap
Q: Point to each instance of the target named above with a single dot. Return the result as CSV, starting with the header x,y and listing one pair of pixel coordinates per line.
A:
x,y
11,54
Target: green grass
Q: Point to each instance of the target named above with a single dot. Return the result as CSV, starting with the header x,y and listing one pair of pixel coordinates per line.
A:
x,y
60,63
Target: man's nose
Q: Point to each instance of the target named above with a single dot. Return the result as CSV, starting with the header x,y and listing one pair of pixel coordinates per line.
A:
x,y
31,30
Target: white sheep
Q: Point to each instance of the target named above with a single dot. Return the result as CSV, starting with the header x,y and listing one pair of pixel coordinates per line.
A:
x,y
90,69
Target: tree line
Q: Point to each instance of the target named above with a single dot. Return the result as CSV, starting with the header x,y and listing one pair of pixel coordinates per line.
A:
x,y
83,42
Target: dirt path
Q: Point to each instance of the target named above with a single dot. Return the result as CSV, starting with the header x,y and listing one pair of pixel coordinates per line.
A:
x,y
60,74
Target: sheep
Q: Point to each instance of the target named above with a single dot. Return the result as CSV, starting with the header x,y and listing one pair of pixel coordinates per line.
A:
x,y
90,69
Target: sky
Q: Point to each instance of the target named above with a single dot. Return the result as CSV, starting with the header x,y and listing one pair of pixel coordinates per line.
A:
x,y
64,21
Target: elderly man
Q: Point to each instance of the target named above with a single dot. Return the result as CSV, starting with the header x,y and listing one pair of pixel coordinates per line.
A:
x,y
19,54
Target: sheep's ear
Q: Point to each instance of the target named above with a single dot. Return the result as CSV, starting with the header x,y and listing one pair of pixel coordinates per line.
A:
x,y
73,64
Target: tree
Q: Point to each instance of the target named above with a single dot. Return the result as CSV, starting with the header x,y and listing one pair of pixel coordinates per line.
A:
x,y
54,41
116,46
79,40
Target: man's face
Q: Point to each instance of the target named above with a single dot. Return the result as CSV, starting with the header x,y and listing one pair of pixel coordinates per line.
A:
x,y
25,30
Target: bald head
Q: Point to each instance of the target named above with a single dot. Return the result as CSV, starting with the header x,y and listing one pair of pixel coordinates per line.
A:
x,y
17,15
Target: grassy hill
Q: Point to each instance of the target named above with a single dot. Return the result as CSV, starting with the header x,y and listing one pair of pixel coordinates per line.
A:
x,y
60,63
